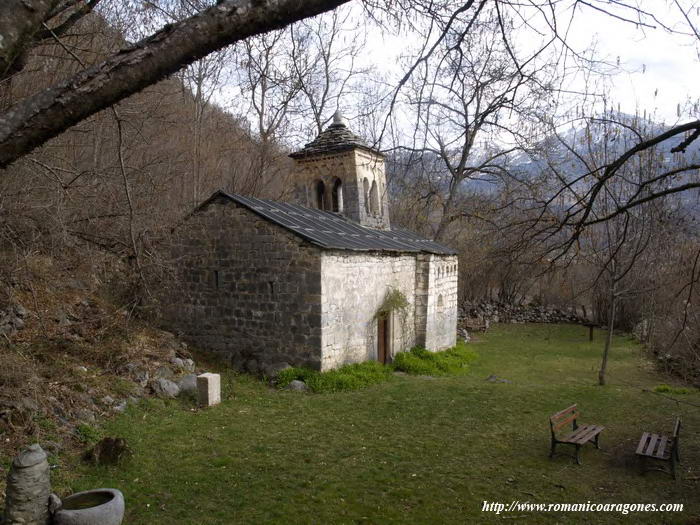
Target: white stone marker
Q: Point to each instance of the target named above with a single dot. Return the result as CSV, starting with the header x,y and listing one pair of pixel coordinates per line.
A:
x,y
209,389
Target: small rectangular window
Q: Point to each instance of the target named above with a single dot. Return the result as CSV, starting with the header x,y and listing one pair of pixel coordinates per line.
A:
x,y
216,279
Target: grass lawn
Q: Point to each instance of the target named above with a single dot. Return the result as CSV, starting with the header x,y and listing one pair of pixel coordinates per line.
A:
x,y
411,450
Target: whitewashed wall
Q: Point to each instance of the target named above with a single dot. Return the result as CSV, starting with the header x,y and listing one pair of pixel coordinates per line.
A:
x,y
353,287
441,316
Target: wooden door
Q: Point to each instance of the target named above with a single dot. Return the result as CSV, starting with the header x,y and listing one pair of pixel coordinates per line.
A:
x,y
382,339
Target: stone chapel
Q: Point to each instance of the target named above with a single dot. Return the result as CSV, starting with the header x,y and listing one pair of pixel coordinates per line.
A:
x,y
319,282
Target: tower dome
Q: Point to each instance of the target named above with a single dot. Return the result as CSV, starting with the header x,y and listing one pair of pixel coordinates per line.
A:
x,y
339,172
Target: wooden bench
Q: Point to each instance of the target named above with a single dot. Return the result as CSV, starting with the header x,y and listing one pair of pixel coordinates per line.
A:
x,y
662,448
579,436
476,324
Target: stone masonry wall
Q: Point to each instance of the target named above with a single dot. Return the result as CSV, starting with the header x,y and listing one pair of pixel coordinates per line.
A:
x,y
371,167
247,289
326,168
422,281
354,286
351,167
441,302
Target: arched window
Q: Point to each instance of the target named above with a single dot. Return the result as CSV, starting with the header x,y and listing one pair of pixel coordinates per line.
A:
x,y
320,192
374,199
337,196
440,304
365,187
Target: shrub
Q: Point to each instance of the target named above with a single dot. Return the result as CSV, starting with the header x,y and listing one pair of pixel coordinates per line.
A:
x,y
288,375
666,389
414,362
394,301
419,361
348,377
87,433
351,377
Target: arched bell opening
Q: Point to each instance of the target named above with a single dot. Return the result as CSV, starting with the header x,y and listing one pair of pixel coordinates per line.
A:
x,y
320,194
337,196
374,199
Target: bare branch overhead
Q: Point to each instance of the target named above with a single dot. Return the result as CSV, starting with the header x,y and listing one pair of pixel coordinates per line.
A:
x,y
35,120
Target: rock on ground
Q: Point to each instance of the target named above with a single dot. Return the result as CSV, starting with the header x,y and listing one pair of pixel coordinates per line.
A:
x,y
165,387
272,371
188,385
109,451
183,364
297,386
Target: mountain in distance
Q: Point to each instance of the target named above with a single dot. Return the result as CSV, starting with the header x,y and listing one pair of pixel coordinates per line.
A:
x,y
600,142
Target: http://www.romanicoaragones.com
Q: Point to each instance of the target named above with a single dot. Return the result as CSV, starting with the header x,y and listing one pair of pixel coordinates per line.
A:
x,y
621,508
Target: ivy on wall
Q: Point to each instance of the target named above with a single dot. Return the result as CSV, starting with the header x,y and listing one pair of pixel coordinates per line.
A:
x,y
394,301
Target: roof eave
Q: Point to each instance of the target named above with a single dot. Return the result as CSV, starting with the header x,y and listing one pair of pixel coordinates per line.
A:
x,y
304,154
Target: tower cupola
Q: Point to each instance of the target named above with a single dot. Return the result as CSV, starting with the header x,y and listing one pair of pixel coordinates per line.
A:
x,y
338,171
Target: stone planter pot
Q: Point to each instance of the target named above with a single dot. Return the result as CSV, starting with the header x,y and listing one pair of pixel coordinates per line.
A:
x,y
91,507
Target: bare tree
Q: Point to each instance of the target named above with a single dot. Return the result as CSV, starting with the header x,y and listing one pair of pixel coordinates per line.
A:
x,y
269,88
617,247
23,25
202,78
36,119
473,107
442,25
324,52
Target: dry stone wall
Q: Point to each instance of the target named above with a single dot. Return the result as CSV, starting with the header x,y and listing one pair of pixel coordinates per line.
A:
x,y
494,312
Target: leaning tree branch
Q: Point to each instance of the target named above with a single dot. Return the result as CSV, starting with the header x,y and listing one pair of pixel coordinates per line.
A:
x,y
64,26
41,117
612,168
19,20
687,142
623,208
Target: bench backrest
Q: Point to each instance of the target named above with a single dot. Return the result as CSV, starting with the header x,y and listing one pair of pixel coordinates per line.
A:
x,y
563,418
676,431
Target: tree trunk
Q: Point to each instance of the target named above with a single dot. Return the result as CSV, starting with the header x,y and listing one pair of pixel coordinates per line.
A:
x,y
608,339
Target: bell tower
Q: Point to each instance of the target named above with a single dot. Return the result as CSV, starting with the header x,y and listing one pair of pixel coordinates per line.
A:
x,y
339,172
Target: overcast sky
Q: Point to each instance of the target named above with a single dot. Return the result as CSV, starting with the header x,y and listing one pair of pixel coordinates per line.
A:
x,y
658,71
655,60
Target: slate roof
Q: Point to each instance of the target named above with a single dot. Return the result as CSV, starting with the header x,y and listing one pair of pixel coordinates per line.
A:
x,y
334,139
331,230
